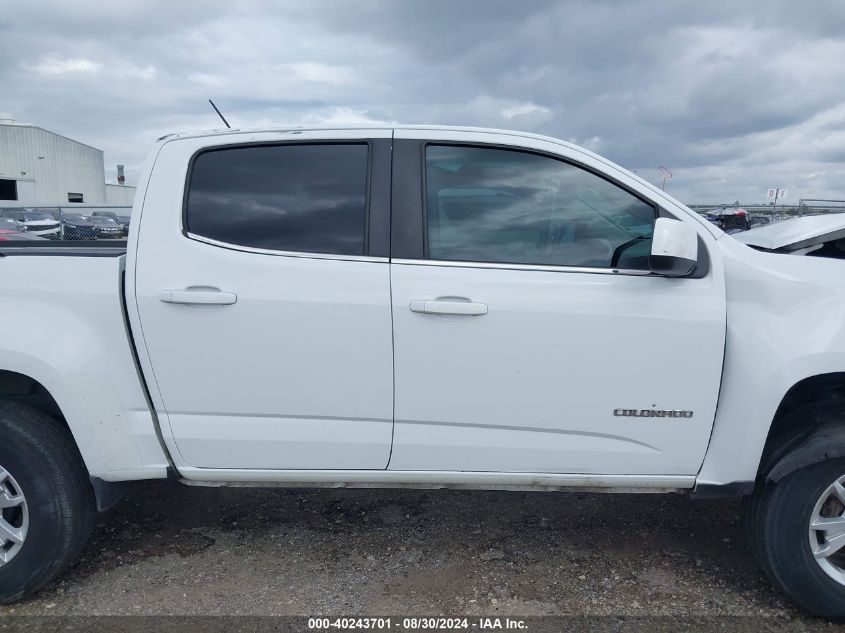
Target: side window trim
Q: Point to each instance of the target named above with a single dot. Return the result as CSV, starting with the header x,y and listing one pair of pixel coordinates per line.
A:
x,y
445,263
379,177
280,253
406,200
376,205
424,145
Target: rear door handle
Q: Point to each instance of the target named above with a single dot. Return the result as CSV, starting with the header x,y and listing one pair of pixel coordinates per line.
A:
x,y
442,306
201,297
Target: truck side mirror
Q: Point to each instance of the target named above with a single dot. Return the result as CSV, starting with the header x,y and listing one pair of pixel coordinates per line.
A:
x,y
674,248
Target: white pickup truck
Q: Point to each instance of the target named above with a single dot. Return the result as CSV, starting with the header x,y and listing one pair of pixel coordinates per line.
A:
x,y
425,307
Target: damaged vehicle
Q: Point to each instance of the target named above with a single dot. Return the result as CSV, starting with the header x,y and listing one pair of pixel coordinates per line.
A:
x,y
423,306
816,236
733,220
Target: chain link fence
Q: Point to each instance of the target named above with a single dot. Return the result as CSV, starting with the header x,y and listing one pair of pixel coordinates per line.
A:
x,y
815,206
70,223
738,216
805,206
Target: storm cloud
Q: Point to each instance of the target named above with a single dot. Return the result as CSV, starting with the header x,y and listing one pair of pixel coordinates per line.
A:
x,y
733,97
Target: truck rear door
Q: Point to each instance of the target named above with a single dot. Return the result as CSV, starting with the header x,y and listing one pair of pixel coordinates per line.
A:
x,y
263,295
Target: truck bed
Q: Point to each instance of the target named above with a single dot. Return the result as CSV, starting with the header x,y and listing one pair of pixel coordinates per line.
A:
x,y
63,324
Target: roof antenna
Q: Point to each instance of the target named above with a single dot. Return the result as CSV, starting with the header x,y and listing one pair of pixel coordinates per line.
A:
x,y
220,114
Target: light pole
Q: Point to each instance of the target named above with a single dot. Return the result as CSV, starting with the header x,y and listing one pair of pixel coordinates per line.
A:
x,y
666,176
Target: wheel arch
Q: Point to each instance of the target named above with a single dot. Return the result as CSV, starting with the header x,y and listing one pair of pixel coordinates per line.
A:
x,y
808,427
39,390
88,406
26,390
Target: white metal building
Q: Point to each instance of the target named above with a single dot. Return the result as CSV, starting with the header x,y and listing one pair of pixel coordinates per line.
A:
x,y
119,195
43,168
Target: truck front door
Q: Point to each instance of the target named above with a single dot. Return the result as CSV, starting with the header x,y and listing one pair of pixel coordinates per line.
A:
x,y
529,335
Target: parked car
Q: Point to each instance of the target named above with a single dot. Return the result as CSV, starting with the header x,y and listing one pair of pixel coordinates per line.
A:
x,y
123,221
422,306
106,228
36,222
79,227
121,218
816,236
757,220
7,235
10,224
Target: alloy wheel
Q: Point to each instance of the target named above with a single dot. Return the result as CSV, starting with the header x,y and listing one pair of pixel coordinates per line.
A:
x,y
827,531
14,517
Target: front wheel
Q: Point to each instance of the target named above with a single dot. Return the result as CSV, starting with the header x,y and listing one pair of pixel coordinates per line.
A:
x,y
798,530
47,505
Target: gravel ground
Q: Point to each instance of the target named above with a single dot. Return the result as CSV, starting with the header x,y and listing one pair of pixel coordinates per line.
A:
x,y
173,549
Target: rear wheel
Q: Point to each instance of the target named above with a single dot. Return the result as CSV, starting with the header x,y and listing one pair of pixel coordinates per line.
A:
x,y
47,505
797,527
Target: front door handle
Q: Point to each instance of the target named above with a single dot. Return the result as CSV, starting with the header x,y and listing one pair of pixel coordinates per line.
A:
x,y
201,297
446,306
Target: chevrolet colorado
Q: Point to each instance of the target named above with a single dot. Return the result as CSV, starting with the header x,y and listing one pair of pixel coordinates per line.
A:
x,y
426,307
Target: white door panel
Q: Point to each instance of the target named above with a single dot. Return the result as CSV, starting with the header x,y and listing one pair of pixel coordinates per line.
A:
x,y
295,442
296,374
532,385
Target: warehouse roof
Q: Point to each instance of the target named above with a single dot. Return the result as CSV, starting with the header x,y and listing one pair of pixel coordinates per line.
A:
x,y
13,123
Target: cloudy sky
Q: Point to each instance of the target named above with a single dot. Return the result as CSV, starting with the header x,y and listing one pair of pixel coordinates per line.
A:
x,y
734,97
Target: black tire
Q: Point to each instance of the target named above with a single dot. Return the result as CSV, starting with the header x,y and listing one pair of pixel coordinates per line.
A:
x,y
41,456
795,428
777,522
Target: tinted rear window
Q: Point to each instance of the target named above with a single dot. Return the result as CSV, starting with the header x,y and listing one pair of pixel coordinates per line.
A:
x,y
306,198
